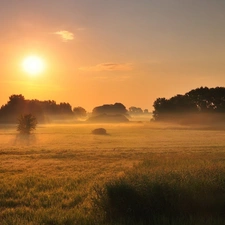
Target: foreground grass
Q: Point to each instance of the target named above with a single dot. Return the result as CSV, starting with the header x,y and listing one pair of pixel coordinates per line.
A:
x,y
167,189
65,175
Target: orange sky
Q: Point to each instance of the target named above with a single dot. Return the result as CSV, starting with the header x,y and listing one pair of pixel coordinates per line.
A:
x,y
99,52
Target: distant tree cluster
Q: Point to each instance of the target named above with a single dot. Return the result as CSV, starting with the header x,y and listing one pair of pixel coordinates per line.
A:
x,y
137,111
110,109
47,111
109,113
79,112
42,110
199,101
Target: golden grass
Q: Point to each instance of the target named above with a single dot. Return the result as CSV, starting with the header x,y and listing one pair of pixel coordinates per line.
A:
x,y
52,173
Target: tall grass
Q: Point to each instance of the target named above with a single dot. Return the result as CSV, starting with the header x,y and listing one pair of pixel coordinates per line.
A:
x,y
138,174
178,188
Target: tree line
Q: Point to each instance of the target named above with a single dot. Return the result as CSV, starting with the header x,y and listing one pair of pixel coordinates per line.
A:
x,y
42,110
199,102
47,111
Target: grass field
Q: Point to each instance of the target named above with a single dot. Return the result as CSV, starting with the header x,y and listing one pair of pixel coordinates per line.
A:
x,y
63,174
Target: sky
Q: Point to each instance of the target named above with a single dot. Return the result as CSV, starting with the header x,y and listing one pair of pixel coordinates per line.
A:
x,y
105,51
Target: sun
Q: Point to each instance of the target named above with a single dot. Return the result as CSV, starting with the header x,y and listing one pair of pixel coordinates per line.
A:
x,y
33,65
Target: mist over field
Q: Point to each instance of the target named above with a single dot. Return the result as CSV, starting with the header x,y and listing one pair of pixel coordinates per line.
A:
x,y
135,136
65,174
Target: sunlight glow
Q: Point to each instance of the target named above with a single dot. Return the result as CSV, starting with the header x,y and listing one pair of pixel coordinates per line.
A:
x,y
33,65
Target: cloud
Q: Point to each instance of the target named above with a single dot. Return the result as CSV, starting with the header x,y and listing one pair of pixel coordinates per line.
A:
x,y
65,35
108,67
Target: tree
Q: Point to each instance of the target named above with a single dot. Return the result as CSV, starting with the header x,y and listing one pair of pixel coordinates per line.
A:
x,y
198,102
42,110
26,123
110,109
79,112
135,110
65,108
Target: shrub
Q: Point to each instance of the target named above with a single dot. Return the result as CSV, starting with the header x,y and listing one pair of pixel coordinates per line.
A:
x,y
99,131
26,123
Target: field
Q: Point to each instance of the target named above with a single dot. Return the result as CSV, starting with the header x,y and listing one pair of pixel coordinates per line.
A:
x,y
63,174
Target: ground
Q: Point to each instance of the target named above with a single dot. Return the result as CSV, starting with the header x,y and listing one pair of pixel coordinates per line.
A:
x,y
58,165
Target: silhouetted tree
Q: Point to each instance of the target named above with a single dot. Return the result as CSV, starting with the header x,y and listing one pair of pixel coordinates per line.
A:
x,y
42,110
135,110
198,101
208,99
26,123
117,108
15,106
79,112
65,108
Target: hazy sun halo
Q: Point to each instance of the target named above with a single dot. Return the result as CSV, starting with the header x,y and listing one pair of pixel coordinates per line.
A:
x,y
33,65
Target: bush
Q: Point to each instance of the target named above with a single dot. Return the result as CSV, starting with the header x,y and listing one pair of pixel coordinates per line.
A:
x,y
26,123
99,131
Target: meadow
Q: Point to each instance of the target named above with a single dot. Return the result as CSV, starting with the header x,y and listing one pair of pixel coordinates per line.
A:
x,y
140,173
